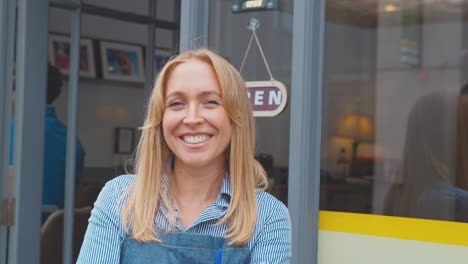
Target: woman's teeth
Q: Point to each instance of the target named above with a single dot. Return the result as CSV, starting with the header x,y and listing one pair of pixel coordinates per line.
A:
x,y
195,139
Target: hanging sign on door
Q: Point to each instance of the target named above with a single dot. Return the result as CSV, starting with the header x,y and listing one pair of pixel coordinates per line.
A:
x,y
268,98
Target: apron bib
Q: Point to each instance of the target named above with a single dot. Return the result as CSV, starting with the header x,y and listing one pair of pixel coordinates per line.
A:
x,y
183,248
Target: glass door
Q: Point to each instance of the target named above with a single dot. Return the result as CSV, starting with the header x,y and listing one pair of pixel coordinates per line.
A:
x,y
229,35
104,104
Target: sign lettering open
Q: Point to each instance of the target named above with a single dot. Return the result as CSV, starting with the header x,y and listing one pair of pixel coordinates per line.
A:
x,y
268,98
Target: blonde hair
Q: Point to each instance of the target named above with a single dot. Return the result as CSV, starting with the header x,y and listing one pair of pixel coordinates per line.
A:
x,y
152,154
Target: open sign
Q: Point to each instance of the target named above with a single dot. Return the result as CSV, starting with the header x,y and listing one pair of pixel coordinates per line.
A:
x,y
268,98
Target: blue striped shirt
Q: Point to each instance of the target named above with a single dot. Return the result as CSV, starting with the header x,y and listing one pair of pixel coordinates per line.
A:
x,y
270,242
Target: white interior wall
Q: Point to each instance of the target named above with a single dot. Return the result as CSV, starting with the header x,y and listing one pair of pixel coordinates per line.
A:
x,y
104,105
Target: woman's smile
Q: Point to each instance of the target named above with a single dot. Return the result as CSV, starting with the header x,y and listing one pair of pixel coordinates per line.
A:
x,y
195,139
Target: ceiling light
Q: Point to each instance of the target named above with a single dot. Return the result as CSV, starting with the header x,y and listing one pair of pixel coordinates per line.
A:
x,y
390,8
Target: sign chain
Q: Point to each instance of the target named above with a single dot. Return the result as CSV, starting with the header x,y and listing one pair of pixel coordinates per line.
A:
x,y
254,35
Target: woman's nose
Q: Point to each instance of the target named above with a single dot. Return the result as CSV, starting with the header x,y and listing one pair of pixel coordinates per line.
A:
x,y
193,116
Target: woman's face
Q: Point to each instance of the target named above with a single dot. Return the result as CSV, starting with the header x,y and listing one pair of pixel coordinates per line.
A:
x,y
195,124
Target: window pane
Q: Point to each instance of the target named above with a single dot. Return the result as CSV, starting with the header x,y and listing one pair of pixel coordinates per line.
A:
x,y
395,109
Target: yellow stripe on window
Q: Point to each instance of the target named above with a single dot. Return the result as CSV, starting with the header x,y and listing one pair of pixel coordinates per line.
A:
x,y
445,232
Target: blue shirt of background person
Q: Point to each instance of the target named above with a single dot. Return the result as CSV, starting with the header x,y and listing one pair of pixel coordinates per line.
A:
x,y
55,147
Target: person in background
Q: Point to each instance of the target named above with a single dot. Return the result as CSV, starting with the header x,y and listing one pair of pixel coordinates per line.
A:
x,y
432,182
197,195
55,148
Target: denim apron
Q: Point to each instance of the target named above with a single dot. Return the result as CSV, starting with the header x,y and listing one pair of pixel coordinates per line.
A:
x,y
180,247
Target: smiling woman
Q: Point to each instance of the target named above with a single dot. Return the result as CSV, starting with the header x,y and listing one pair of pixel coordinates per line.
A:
x,y
198,193
196,126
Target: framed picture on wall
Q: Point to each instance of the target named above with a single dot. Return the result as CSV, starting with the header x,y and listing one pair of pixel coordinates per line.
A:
x,y
59,55
122,62
161,57
124,140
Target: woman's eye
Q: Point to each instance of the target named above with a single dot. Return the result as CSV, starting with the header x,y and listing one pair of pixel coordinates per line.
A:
x,y
212,102
175,104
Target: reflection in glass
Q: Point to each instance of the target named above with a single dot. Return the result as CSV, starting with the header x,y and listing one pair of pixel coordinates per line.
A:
x,y
431,182
394,123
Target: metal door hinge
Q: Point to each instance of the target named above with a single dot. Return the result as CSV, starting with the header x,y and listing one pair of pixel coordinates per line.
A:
x,y
7,212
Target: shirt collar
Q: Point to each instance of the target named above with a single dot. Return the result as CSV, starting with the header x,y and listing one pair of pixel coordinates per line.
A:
x,y
226,188
225,194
